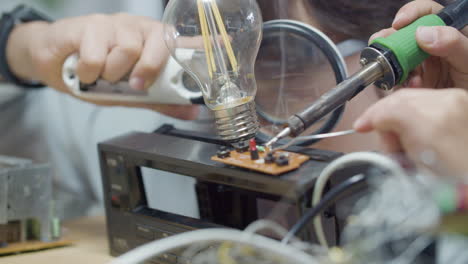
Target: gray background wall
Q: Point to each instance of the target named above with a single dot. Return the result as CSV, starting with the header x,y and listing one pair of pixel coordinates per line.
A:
x,y
64,8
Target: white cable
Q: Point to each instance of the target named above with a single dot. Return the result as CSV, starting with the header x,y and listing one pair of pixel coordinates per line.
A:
x,y
413,250
158,247
265,224
357,157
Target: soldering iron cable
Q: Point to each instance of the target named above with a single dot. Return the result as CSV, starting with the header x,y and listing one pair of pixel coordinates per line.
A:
x,y
344,189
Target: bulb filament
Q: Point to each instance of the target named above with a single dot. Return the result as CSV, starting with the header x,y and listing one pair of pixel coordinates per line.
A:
x,y
212,27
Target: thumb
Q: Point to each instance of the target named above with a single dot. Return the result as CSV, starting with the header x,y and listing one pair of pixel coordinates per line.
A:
x,y
445,42
391,142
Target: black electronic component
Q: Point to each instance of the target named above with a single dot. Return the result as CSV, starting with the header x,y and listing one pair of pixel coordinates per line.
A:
x,y
11,232
254,154
270,158
282,160
223,152
242,147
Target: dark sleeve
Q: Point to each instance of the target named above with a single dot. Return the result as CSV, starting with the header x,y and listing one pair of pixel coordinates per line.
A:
x,y
8,21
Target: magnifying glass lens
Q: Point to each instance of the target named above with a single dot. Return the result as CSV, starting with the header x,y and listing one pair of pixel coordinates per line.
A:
x,y
292,72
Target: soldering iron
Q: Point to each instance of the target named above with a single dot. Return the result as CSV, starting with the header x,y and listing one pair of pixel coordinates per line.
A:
x,y
386,62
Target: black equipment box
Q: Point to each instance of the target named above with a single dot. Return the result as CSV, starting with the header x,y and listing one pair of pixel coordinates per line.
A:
x,y
227,196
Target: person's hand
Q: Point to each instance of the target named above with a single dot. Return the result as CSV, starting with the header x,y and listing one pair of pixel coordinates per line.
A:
x,y
109,46
448,65
429,126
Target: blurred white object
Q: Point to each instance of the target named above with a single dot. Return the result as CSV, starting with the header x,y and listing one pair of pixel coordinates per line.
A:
x,y
170,88
150,8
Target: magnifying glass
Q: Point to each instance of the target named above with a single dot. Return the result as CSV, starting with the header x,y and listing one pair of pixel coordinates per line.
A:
x,y
296,64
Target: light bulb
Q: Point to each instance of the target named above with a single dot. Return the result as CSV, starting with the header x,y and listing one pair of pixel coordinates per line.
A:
x,y
217,42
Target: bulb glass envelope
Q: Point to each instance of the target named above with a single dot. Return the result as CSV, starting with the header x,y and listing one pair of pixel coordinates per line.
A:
x,y
223,37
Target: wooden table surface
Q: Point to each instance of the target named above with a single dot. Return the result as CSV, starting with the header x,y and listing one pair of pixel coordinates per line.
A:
x,y
90,246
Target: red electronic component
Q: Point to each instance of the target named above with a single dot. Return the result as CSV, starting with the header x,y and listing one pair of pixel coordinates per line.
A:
x,y
253,144
253,150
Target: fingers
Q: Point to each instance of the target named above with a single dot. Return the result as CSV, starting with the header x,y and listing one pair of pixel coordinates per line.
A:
x,y
94,48
391,142
416,81
389,114
447,43
394,119
153,57
414,10
382,34
119,44
124,55
431,72
418,121
55,44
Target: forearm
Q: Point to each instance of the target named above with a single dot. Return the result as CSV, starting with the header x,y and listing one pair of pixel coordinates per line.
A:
x,y
19,52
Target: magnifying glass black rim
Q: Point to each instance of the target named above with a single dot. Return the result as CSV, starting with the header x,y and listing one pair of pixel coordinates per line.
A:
x,y
305,31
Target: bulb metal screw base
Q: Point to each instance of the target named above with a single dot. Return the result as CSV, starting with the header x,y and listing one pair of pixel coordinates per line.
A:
x,y
237,125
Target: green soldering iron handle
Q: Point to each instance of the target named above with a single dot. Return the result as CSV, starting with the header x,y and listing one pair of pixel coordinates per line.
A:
x,y
404,46
403,43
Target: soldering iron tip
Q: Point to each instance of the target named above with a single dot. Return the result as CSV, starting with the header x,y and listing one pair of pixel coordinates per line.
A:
x,y
284,133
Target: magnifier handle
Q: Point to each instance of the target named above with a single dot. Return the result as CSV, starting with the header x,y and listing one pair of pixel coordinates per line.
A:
x,y
169,88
